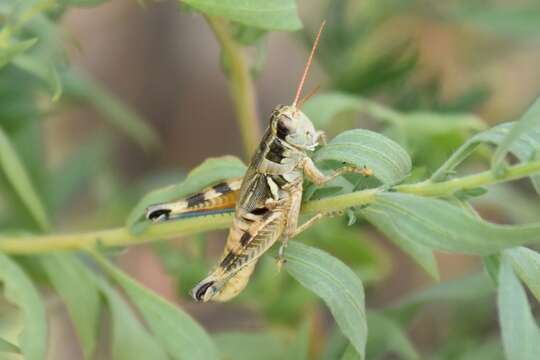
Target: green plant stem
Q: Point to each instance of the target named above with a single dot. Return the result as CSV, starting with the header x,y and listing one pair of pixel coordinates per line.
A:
x,y
190,226
240,84
429,188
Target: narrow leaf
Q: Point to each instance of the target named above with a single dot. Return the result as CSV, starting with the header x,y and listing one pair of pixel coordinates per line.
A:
x,y
74,284
485,350
526,148
386,336
520,334
74,173
336,284
84,3
43,69
130,340
439,225
466,288
350,354
389,161
9,53
299,349
322,108
250,345
528,124
55,83
269,15
7,347
20,180
513,19
526,263
113,109
19,290
175,330
423,255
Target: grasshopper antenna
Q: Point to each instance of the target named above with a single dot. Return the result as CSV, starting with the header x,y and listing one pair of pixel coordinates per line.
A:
x,y
308,96
308,64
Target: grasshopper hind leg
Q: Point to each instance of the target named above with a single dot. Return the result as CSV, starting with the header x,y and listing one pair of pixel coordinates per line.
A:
x,y
211,288
220,196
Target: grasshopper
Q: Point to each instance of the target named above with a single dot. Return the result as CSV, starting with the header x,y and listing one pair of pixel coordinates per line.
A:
x,y
268,197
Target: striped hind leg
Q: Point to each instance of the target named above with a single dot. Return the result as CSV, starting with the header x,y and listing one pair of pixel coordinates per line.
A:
x,y
222,195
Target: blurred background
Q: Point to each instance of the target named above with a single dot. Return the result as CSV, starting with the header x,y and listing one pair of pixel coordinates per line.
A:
x,y
156,69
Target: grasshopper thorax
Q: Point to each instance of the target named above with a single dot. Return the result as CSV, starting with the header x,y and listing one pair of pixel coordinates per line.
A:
x,y
292,126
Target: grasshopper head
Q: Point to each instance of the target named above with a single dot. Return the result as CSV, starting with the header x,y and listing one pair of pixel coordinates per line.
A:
x,y
294,127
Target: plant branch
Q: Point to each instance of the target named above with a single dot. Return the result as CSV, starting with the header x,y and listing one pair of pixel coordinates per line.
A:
x,y
190,226
240,84
430,188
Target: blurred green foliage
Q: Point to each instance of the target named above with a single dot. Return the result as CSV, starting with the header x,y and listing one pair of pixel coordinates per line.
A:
x,y
418,130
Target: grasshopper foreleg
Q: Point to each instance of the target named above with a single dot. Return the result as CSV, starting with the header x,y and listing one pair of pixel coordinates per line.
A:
x,y
318,178
300,229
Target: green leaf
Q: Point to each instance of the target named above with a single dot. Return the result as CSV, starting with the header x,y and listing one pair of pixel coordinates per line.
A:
x,y
74,173
486,350
247,35
432,124
249,345
515,203
520,334
209,172
527,126
74,284
7,347
299,349
322,108
7,54
175,330
492,264
20,180
359,147
386,336
84,3
335,346
113,109
336,284
507,20
423,255
526,263
55,82
43,69
269,15
350,354
130,340
439,225
526,147
352,246
19,290
466,288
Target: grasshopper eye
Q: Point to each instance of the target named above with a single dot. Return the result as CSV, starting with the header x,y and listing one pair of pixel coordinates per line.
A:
x,y
282,130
